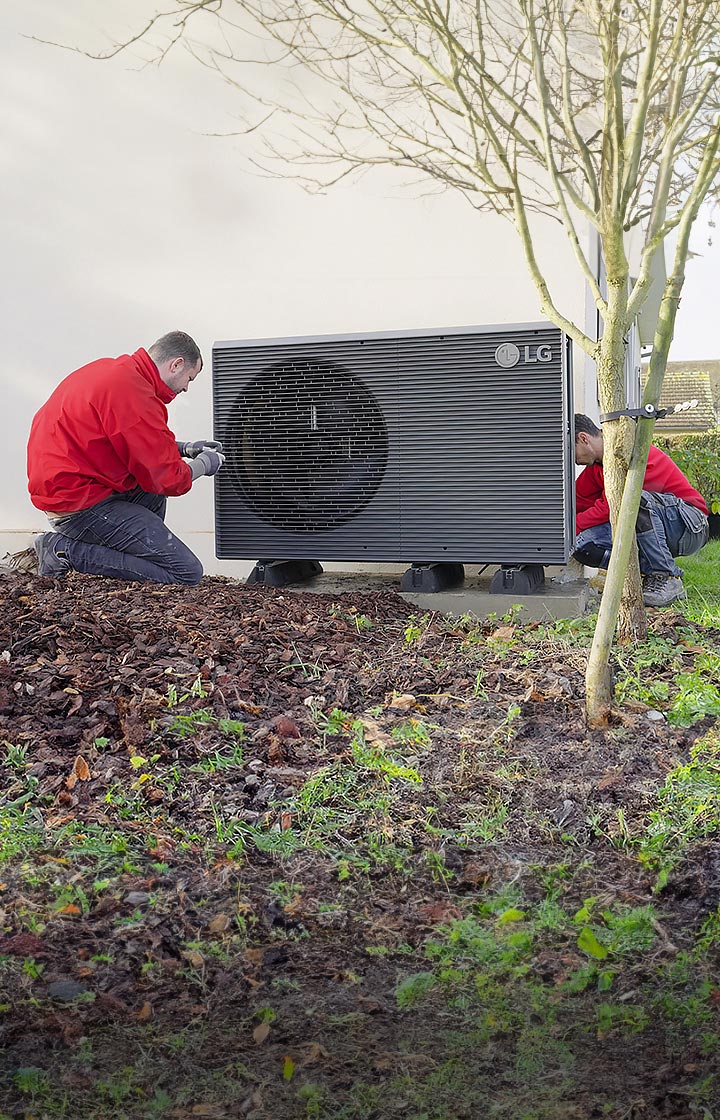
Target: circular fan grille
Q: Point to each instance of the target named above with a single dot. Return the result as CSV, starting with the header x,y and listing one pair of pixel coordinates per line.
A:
x,y
309,445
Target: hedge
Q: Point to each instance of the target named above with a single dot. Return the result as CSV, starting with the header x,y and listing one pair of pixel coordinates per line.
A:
x,y
698,457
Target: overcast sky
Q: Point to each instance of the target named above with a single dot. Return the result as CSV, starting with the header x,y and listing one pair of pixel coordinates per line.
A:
x,y
697,336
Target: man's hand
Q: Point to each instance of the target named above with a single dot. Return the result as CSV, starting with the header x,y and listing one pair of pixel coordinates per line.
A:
x,y
206,463
192,450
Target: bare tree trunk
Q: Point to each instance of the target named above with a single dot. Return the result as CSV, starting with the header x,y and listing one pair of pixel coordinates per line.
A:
x,y
619,437
622,586
598,676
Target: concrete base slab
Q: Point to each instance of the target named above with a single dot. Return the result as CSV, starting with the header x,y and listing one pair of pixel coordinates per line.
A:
x,y
553,601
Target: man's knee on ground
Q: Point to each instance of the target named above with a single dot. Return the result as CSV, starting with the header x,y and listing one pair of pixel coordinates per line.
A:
x,y
191,574
590,554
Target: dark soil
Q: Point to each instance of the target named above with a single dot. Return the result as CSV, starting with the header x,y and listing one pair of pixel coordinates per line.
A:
x,y
202,919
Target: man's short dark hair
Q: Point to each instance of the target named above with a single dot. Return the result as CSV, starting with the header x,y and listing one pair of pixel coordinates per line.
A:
x,y
584,424
176,344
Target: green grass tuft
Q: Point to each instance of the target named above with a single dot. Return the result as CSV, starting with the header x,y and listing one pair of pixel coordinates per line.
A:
x,y
702,583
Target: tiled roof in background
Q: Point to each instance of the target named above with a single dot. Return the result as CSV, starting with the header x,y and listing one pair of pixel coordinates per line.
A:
x,y
711,367
685,386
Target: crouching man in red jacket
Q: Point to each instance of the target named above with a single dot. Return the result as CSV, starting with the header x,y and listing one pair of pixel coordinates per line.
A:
x,y
672,519
102,462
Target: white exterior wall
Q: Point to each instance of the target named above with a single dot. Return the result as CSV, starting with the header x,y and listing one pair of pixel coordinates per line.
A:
x,y
122,219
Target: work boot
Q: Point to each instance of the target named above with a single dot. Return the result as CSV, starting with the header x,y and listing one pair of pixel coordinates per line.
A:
x,y
50,562
660,589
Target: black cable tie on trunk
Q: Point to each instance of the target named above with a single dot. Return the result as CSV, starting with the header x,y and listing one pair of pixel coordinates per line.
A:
x,y
648,411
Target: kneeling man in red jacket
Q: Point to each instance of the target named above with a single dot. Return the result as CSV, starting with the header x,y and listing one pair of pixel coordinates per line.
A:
x,y
102,462
672,519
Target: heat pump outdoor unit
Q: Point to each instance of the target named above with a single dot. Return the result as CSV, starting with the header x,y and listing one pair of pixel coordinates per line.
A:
x,y
435,447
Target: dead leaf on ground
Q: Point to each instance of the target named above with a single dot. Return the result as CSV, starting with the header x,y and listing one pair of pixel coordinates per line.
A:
x,y
80,772
288,728
475,874
437,912
629,718
276,751
70,911
219,923
262,1030
81,769
374,733
58,821
402,703
609,780
369,1005
253,709
314,1052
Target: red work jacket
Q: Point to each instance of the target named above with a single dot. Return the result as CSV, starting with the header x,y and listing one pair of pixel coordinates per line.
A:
x,y
104,431
661,477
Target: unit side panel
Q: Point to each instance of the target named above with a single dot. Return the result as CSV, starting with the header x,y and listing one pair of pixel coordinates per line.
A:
x,y
483,463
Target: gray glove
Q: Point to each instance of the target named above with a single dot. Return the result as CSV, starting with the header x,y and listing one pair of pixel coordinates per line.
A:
x,y
207,462
192,450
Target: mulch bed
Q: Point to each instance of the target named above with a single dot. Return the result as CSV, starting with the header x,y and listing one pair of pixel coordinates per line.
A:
x,y
219,977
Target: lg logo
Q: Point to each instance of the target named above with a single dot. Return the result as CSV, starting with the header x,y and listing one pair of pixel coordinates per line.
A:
x,y
508,354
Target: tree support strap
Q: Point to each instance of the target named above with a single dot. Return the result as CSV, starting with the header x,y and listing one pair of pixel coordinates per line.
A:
x,y
648,412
